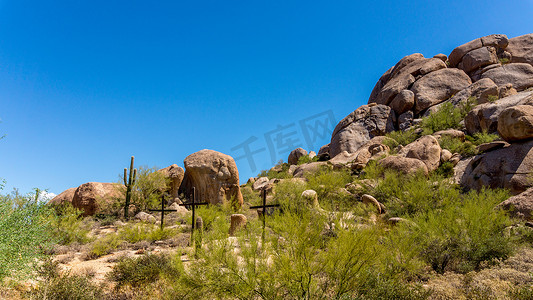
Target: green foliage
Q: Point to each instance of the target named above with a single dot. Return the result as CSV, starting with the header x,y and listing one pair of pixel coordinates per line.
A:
x,y
482,137
69,227
462,234
280,171
445,170
447,116
24,233
104,246
129,182
493,98
504,60
305,159
401,138
63,286
328,185
148,188
145,269
455,145
134,233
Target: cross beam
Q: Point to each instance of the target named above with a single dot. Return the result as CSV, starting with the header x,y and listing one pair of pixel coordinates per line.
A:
x,y
194,204
162,210
264,207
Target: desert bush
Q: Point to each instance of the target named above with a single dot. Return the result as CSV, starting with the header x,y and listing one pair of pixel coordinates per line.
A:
x,y
401,138
24,233
455,145
305,159
328,185
104,245
69,227
145,269
137,232
279,171
63,286
482,137
447,116
464,233
149,187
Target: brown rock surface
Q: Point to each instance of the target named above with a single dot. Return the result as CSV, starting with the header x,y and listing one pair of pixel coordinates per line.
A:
x,y
425,149
90,197
367,151
508,167
295,155
309,169
478,58
404,165
516,123
495,40
520,205
521,49
64,197
238,221
403,102
438,86
360,126
520,75
175,173
215,177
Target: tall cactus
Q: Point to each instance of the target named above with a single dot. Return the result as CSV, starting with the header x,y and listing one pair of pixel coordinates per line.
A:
x,y
129,181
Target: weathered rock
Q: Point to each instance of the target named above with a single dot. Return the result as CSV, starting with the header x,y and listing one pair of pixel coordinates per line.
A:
x,y
486,147
145,217
431,65
323,153
393,87
452,133
292,168
404,165
484,117
441,56
175,173
403,102
438,86
516,123
260,183
495,40
521,49
371,149
312,154
199,223
425,149
65,197
311,197
456,157
180,209
478,58
520,75
508,167
92,196
379,85
368,199
251,180
238,221
506,90
215,177
360,126
405,120
305,170
521,205
445,155
295,155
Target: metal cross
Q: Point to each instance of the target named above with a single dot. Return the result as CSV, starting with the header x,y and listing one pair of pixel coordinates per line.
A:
x,y
264,206
162,210
193,204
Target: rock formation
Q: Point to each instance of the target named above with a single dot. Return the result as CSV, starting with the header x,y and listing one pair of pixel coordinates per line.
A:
x,y
91,197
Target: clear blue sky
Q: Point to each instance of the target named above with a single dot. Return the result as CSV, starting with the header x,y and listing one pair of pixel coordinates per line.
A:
x,y
86,84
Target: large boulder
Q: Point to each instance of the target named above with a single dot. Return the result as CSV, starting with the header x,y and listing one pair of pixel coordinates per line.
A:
x,y
495,40
92,197
484,117
509,167
175,173
306,170
215,177
516,123
405,165
520,75
371,149
295,155
403,102
438,86
65,197
521,49
360,126
425,149
478,58
520,205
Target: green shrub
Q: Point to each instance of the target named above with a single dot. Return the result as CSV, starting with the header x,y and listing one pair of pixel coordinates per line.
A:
x,y
305,159
280,171
63,286
137,232
447,116
401,138
25,233
481,138
148,189
328,185
69,227
445,170
463,234
145,269
455,145
104,245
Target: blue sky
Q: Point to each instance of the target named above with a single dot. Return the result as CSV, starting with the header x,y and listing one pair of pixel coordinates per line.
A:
x,y
86,84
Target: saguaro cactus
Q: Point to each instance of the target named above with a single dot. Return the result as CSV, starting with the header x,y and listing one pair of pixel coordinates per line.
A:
x,y
129,181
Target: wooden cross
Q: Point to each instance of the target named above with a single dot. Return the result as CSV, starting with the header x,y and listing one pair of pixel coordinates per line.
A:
x,y
193,204
162,210
264,207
